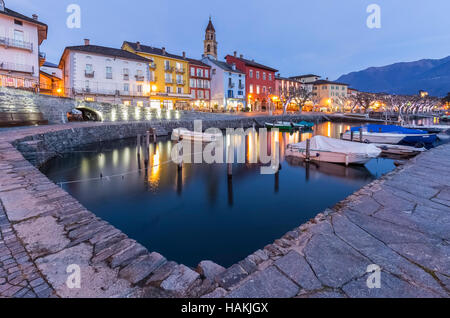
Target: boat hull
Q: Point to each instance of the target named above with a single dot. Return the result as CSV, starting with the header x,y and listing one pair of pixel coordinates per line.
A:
x,y
332,157
379,138
195,136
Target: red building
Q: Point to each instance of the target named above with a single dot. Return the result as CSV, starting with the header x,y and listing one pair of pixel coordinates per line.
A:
x,y
259,81
200,83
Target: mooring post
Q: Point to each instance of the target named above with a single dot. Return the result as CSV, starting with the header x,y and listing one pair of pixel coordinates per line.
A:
x,y
154,134
351,135
138,145
308,149
230,160
361,135
342,135
147,140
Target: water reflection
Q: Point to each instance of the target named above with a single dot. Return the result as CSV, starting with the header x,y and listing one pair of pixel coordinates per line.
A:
x,y
198,212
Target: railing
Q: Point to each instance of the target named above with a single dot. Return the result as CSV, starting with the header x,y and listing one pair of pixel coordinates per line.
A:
x,y
180,70
169,81
231,85
16,43
168,69
7,66
140,78
89,74
181,82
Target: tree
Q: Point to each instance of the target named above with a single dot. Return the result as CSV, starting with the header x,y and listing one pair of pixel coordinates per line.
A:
x,y
362,100
298,95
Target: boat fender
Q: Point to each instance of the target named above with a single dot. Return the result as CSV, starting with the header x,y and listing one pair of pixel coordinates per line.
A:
x,y
366,141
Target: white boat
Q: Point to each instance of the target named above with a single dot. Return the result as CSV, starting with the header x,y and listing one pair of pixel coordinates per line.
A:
x,y
372,137
182,133
334,150
432,128
399,150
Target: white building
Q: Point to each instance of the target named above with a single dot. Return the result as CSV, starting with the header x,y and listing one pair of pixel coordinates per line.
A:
x,y
20,58
227,85
307,80
103,74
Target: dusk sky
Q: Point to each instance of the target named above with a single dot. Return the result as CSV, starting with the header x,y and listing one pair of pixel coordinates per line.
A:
x,y
324,37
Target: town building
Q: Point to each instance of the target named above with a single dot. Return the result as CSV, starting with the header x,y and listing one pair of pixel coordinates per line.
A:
x,y
20,57
200,84
307,80
260,81
284,86
168,76
50,80
227,86
326,92
210,42
103,74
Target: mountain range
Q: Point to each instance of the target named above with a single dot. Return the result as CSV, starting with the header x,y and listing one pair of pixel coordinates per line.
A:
x,y
406,78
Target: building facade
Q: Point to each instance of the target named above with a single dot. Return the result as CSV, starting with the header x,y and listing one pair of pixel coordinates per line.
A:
x,y
20,57
325,92
260,81
169,76
103,74
200,84
210,42
307,80
227,86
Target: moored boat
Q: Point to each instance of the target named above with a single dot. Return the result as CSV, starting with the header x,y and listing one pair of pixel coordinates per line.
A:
x,y
182,133
333,150
400,150
389,134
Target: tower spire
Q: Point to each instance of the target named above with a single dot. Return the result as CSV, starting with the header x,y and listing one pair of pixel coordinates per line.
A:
x,y
210,43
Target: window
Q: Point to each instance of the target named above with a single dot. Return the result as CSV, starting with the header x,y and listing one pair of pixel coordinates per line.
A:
x,y
167,65
126,87
251,89
200,94
207,73
18,22
192,71
180,90
206,94
192,83
264,76
264,89
270,77
89,68
257,74
139,88
126,74
324,87
168,89
250,73
240,93
199,72
230,93
109,72
168,78
257,89
18,37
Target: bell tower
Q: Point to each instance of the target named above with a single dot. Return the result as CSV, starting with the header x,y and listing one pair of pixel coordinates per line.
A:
x,y
210,43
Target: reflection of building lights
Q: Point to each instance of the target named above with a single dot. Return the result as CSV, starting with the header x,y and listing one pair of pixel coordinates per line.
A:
x,y
329,129
154,88
115,157
155,171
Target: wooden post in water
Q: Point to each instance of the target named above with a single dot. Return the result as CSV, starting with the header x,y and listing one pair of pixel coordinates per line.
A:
x,y
361,135
230,160
351,135
154,134
308,149
147,140
342,135
138,145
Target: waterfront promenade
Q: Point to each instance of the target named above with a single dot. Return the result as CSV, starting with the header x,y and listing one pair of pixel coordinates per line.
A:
x,y
400,222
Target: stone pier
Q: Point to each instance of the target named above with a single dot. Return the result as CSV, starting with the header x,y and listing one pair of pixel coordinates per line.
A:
x,y
400,223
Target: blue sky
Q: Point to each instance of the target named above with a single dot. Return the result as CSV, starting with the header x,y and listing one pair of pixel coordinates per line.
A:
x,y
325,37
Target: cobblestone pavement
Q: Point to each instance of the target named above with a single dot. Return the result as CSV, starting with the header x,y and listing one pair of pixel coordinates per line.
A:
x,y
400,222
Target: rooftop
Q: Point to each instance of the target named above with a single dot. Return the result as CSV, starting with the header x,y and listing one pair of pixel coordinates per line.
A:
x,y
323,82
17,15
304,76
253,63
103,50
225,66
152,50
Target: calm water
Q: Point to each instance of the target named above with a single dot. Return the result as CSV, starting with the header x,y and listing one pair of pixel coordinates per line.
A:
x,y
199,213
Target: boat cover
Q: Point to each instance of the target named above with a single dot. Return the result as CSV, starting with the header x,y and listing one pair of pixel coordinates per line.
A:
x,y
389,129
322,143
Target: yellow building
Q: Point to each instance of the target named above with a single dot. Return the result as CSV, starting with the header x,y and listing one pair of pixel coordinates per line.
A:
x,y
168,76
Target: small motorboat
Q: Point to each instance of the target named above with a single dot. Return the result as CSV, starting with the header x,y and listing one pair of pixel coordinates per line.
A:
x,y
389,134
281,125
182,133
400,150
333,150
305,125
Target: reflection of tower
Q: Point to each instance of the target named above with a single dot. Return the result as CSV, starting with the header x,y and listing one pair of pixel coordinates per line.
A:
x,y
210,43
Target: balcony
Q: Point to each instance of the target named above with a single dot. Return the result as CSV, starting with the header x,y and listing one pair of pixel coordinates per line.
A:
x,y
8,42
89,74
181,82
140,78
231,85
241,86
152,65
180,70
13,67
168,69
169,81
